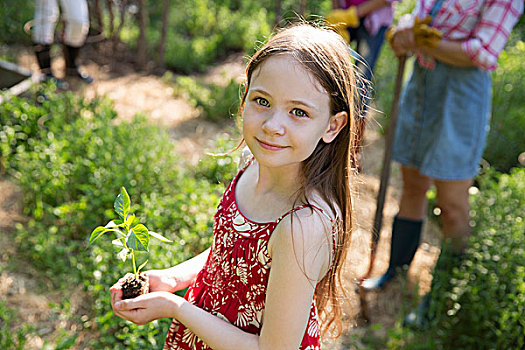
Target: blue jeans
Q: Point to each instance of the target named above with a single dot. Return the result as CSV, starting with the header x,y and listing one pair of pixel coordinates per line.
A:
x,y
367,49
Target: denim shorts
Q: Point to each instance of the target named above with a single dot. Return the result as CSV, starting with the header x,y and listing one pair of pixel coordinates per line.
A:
x,y
443,121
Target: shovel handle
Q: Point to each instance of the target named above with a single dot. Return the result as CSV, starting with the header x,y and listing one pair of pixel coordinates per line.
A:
x,y
385,176
387,161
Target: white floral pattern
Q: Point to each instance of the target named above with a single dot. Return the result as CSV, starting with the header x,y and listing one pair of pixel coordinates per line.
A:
x,y
232,285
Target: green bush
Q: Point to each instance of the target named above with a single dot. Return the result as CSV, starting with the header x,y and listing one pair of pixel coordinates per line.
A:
x,y
10,339
70,166
13,15
201,32
505,140
215,102
480,304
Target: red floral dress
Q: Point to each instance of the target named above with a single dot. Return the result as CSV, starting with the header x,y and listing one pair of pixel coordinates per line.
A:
x,y
232,285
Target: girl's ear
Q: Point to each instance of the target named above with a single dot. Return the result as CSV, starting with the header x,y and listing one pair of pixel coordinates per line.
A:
x,y
337,123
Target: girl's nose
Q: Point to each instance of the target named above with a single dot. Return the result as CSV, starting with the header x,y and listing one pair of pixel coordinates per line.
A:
x,y
273,125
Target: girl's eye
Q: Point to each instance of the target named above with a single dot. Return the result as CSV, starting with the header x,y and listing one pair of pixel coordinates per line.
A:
x,y
299,113
262,102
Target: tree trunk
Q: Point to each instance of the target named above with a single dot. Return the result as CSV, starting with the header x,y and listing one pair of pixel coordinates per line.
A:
x,y
164,30
278,12
97,16
141,43
302,7
109,4
122,15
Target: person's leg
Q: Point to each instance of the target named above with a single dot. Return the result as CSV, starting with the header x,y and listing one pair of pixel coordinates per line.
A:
x,y
46,16
406,229
76,17
413,203
453,200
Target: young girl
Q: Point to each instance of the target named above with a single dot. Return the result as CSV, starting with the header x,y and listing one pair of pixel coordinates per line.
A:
x,y
283,225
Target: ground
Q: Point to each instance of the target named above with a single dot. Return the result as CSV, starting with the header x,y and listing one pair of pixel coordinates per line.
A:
x,y
147,92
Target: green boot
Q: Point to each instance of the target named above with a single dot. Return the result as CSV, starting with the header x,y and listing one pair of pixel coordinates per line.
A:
x,y
403,246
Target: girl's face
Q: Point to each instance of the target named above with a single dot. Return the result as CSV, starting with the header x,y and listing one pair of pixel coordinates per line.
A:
x,y
287,113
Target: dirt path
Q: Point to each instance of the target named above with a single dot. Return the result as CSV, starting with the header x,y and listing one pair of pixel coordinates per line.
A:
x,y
134,92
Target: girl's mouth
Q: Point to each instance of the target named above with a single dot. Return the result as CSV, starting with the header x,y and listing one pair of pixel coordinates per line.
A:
x,y
270,147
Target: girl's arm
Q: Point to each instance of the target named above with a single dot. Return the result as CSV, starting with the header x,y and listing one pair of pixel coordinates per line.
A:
x,y
177,277
300,257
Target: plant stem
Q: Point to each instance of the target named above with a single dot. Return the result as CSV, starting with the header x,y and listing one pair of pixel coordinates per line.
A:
x,y
133,260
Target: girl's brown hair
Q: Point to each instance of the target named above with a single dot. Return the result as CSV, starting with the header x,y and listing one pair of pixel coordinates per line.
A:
x,y
329,169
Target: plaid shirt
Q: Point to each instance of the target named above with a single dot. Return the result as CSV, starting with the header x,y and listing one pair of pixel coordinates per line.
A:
x,y
483,26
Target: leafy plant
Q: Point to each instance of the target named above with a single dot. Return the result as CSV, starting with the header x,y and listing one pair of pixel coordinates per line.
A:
x,y
481,301
13,15
10,337
216,102
505,141
132,235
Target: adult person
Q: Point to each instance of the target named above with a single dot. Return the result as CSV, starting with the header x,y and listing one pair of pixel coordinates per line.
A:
x,y
443,121
366,23
76,25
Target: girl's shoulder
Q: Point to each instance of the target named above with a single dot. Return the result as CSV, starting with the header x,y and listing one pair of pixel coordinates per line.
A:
x,y
324,208
311,235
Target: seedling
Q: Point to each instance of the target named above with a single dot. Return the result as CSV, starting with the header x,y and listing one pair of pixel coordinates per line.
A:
x,y
132,236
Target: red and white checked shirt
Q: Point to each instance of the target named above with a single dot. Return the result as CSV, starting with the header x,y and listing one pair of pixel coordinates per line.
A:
x,y
482,25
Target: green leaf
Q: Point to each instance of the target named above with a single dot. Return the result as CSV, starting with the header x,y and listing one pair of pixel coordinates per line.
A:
x,y
138,238
114,223
160,237
142,265
130,219
97,232
135,222
122,204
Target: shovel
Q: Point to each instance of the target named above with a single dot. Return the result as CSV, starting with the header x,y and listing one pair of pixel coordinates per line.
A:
x,y
385,176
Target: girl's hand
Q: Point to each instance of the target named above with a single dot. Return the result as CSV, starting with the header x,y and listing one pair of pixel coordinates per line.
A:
x,y
161,281
145,308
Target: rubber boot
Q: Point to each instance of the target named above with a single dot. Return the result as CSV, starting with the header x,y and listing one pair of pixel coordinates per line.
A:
x,y
403,245
70,56
448,259
43,57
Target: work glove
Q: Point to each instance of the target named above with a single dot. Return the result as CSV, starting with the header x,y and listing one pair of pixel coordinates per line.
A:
x,y
424,35
389,35
348,17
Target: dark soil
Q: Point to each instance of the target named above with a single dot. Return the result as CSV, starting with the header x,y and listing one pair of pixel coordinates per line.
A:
x,y
132,287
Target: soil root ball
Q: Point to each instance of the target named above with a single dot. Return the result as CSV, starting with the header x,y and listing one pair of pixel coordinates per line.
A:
x,y
132,288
